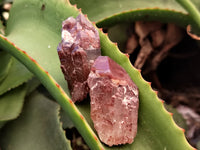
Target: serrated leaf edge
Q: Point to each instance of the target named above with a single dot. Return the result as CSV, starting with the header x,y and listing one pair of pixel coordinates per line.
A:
x,y
57,92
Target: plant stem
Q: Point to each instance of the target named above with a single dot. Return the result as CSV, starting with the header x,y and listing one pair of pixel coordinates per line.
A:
x,y
192,10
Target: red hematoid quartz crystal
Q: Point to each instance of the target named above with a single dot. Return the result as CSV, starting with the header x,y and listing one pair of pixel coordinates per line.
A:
x,y
79,47
114,102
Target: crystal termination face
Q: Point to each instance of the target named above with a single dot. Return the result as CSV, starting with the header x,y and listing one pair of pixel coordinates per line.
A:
x,y
79,47
114,102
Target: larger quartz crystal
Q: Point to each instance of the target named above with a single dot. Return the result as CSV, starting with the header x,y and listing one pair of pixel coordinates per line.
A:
x,y
114,102
79,47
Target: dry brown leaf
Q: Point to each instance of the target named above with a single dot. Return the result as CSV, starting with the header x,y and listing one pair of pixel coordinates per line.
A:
x,y
131,44
145,51
158,38
143,29
173,36
191,34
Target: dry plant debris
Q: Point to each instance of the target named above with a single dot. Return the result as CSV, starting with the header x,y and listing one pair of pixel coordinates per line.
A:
x,y
155,40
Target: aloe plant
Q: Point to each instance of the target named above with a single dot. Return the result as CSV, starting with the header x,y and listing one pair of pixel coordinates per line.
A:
x,y
33,32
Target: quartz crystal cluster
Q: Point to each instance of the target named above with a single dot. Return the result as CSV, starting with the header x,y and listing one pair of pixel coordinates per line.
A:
x,y
114,96
79,47
114,102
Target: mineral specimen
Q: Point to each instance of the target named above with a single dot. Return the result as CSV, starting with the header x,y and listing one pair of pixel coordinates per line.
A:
x,y
79,47
114,102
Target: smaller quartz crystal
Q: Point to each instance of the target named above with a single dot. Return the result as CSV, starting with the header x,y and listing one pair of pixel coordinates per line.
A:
x,y
114,102
79,47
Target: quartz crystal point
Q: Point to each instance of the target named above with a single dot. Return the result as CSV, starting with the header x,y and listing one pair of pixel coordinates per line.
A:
x,y
114,102
79,47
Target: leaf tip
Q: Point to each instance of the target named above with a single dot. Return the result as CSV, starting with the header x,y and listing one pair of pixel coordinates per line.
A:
x,y
75,6
156,92
162,101
85,15
80,10
171,114
149,83
127,55
115,43
101,29
183,130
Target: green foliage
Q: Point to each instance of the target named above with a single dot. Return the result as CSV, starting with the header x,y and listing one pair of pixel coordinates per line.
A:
x,y
112,11
11,103
37,128
12,100
193,12
34,26
118,34
17,75
38,32
5,64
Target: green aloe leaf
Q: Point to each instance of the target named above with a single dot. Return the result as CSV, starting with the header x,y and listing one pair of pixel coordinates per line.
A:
x,y
11,103
112,11
38,127
5,64
17,75
35,26
193,11
178,118
156,128
66,122
119,34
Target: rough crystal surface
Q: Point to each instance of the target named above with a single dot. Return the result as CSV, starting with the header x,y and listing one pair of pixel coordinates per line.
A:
x,y
79,47
114,102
